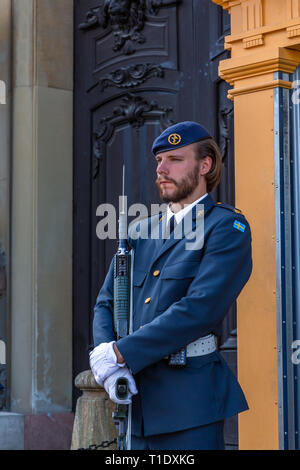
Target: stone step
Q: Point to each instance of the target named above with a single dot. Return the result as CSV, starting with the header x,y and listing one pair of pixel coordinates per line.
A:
x,y
11,431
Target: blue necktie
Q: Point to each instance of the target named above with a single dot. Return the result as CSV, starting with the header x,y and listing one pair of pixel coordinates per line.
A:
x,y
170,227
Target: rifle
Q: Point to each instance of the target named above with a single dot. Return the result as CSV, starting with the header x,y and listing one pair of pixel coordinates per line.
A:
x,y
122,314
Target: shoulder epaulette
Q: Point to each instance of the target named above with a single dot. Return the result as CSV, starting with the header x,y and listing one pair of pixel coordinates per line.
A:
x,y
228,207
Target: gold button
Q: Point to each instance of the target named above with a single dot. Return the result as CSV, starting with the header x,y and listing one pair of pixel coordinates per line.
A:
x,y
147,300
156,273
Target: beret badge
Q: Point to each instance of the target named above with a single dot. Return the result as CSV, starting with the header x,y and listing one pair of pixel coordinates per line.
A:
x,y
174,139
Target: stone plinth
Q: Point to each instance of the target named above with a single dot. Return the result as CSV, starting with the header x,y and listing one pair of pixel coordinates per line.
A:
x,y
93,419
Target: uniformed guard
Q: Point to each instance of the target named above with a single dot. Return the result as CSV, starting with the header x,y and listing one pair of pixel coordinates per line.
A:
x,y
181,387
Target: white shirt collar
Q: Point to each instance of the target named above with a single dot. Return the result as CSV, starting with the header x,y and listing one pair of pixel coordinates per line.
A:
x,y
179,215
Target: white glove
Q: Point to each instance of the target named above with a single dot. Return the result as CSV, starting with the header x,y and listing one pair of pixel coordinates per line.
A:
x,y
103,362
110,385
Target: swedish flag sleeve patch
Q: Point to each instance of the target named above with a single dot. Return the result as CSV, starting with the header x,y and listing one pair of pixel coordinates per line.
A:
x,y
239,226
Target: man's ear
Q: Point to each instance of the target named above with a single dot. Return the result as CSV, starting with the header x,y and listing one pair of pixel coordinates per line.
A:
x,y
205,165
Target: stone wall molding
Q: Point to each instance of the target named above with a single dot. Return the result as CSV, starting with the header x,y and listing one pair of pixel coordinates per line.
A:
x,y
278,59
239,71
259,87
253,25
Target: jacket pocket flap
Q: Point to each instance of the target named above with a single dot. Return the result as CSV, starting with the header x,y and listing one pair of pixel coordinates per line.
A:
x,y
181,270
138,277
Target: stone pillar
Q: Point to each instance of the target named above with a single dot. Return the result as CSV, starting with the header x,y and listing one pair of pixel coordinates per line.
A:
x,y
5,177
41,211
265,49
93,423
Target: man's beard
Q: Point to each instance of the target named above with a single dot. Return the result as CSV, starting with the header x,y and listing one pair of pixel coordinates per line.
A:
x,y
184,187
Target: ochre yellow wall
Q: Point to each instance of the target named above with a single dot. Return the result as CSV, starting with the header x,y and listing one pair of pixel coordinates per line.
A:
x,y
265,38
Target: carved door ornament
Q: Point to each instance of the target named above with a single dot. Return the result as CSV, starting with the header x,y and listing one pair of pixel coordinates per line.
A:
x,y
126,18
131,75
133,109
225,113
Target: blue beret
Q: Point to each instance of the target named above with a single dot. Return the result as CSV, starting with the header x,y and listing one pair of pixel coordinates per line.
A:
x,y
179,135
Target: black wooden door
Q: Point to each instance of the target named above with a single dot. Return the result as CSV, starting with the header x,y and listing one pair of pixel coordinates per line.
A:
x,y
140,65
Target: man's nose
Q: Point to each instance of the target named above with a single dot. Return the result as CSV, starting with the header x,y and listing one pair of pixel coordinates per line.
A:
x,y
162,167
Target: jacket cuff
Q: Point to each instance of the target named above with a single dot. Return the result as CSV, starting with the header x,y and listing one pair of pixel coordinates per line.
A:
x,y
129,356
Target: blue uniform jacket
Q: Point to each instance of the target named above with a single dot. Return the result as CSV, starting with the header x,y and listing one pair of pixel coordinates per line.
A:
x,y
187,294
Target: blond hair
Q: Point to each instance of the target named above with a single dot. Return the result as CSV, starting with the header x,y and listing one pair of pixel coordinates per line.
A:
x,y
209,148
